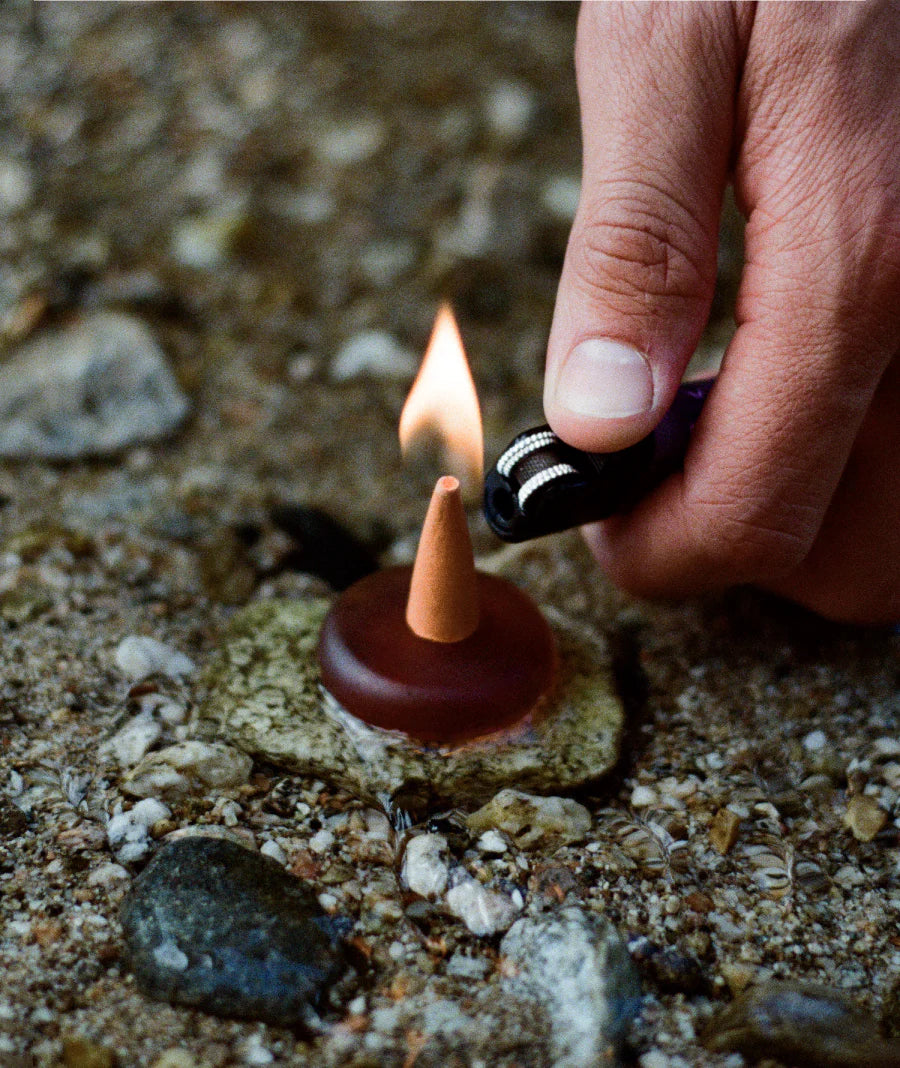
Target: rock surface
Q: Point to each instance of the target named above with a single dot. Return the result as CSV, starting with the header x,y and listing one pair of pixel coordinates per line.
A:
x,y
89,390
218,927
575,965
801,1023
532,821
192,765
265,697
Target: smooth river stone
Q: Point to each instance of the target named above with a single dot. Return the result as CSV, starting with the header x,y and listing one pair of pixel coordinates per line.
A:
x,y
220,928
265,697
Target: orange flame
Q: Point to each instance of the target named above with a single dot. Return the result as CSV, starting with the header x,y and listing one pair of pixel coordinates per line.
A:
x,y
443,403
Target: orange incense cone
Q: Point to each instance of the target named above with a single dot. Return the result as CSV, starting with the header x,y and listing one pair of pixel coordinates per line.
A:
x,y
443,593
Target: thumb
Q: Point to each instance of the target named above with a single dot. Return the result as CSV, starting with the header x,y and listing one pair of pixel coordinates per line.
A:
x,y
657,85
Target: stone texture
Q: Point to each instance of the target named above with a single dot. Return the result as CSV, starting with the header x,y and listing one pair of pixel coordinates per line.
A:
x,y
801,1023
89,390
576,967
532,822
215,926
264,696
179,769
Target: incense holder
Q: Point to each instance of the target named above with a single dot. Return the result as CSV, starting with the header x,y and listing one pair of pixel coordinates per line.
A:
x,y
265,695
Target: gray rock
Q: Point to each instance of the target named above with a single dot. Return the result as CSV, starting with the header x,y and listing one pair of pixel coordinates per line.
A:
x,y
575,965
801,1023
265,696
217,927
533,822
89,390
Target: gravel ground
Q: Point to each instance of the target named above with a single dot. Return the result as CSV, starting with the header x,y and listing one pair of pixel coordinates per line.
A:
x,y
282,194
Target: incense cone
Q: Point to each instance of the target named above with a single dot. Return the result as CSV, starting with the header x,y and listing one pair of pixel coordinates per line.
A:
x,y
443,593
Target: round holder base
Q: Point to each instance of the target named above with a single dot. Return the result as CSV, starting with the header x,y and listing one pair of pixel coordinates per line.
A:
x,y
384,674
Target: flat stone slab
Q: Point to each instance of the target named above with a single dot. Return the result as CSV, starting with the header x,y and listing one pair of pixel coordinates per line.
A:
x,y
265,696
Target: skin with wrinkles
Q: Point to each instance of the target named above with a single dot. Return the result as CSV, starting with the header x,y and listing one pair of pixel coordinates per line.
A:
x,y
792,480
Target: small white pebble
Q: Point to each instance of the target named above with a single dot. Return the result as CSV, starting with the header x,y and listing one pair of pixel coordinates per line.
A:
x,y
492,842
425,865
107,874
483,911
560,196
351,143
255,1053
138,657
328,901
815,741
16,185
643,797
273,849
168,955
357,1006
133,741
372,352
509,108
321,841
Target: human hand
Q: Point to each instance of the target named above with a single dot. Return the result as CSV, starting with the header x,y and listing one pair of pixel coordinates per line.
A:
x,y
792,479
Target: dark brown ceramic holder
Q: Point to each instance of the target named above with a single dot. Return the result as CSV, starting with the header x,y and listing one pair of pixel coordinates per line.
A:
x,y
441,692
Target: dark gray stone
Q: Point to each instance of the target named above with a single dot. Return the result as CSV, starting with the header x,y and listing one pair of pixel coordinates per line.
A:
x,y
215,926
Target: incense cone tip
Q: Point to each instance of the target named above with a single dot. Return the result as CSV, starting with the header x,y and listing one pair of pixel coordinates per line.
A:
x,y
443,596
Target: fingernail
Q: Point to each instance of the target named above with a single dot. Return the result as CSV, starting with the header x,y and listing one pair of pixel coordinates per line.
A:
x,y
604,379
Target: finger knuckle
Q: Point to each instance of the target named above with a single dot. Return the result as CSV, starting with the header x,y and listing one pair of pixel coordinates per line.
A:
x,y
634,252
749,540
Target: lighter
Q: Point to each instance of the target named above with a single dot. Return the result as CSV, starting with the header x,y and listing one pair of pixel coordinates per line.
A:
x,y
540,485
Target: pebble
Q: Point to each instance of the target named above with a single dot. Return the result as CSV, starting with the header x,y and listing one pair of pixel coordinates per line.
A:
x,y
815,741
532,822
493,843
560,196
350,143
107,875
864,817
16,185
211,925
91,389
204,242
186,767
509,109
576,966
801,1023
483,911
644,797
372,352
79,1052
426,870
133,741
128,832
464,967
175,1058
273,849
724,830
138,657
